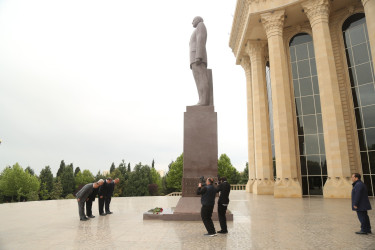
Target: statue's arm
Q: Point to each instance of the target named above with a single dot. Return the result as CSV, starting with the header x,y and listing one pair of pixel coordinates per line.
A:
x,y
201,41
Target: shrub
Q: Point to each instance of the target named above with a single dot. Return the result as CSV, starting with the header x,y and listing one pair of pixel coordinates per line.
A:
x,y
70,196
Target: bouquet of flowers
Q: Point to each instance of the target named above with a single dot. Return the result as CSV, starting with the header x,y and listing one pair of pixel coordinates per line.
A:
x,y
156,210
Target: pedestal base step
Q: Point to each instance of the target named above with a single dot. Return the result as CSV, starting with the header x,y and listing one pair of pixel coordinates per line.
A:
x,y
187,209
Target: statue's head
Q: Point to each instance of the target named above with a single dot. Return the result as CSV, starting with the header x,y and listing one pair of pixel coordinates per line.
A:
x,y
196,21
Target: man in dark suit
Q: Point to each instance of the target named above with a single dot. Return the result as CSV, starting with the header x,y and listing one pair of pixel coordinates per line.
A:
x,y
89,202
208,193
224,189
103,193
82,196
361,203
107,200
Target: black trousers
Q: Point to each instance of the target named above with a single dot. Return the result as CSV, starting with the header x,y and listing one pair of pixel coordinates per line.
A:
x,y
206,214
365,221
107,201
89,208
221,210
101,205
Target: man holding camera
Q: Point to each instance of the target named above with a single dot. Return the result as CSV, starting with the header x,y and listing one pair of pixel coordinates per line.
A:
x,y
224,189
208,193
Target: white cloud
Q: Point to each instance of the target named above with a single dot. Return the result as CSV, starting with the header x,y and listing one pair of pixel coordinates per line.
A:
x,y
93,82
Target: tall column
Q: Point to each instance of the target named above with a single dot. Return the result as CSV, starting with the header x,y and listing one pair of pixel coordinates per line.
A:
x,y
338,184
245,63
287,184
264,183
369,6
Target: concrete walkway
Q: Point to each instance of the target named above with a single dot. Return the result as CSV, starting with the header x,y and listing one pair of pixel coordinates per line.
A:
x,y
260,222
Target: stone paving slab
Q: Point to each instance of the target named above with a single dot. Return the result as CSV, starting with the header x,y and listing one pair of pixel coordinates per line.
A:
x,y
260,222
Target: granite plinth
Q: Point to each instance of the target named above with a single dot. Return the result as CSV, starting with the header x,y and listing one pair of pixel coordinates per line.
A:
x,y
200,147
187,209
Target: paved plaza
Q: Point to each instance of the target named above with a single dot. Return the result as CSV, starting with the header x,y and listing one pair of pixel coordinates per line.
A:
x,y
260,222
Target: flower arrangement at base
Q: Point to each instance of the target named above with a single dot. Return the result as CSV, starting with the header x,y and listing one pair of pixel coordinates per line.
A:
x,y
156,210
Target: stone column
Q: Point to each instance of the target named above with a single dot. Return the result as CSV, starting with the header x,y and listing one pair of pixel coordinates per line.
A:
x,y
287,184
338,184
245,63
262,139
369,6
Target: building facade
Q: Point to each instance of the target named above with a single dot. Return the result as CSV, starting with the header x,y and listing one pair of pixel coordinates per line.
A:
x,y
310,94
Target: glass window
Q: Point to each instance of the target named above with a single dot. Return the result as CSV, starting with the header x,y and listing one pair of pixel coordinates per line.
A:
x,y
370,138
310,124
304,69
364,74
360,53
358,118
306,86
315,185
371,156
312,145
309,119
357,35
319,123
301,51
315,85
367,94
317,104
355,93
321,144
369,116
365,165
313,165
308,105
292,54
361,77
303,165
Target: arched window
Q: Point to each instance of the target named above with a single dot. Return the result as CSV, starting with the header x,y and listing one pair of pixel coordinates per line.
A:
x,y
309,117
360,67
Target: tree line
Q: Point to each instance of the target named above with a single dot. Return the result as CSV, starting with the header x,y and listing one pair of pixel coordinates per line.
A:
x,y
17,184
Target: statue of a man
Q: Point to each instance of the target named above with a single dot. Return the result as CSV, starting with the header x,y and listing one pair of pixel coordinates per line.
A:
x,y
198,60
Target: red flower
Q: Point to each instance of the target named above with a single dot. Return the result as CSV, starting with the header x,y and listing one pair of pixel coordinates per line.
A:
x,y
157,213
161,210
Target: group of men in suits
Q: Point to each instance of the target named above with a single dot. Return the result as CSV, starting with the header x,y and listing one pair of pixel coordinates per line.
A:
x,y
87,194
208,193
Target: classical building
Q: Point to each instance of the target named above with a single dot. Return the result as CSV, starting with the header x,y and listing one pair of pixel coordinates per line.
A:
x,y
310,94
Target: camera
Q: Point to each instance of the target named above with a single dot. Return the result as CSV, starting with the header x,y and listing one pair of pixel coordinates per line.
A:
x,y
202,181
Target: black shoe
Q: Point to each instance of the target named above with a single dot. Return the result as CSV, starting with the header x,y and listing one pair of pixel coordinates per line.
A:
x,y
360,232
103,214
210,235
109,212
222,232
91,216
84,219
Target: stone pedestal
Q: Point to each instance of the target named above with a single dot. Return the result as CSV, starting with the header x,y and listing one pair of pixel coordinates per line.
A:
x,y
200,147
337,188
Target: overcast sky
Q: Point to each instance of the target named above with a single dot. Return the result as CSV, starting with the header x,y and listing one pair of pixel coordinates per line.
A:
x,y
94,82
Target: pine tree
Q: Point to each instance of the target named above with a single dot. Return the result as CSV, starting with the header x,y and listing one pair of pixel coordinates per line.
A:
x,y
61,169
57,190
30,170
153,163
129,169
113,167
76,171
46,177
